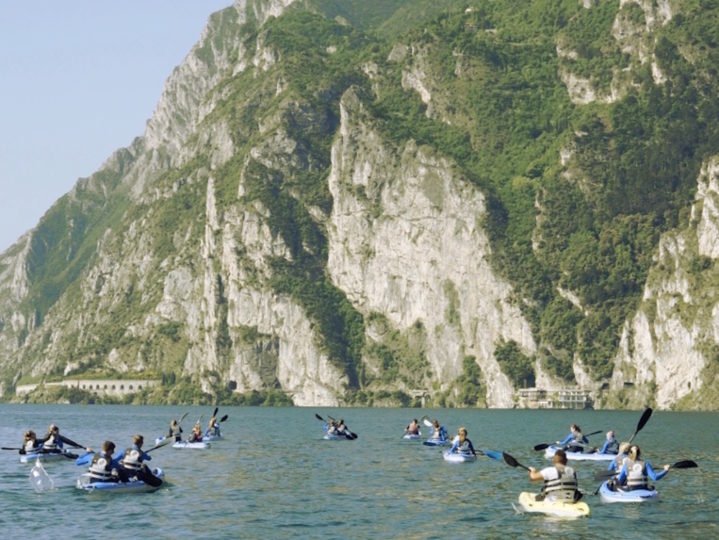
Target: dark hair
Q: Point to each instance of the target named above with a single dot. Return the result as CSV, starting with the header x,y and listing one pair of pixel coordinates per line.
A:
x,y
560,456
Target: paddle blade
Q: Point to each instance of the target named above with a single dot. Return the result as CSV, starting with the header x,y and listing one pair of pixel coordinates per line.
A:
x,y
493,454
320,418
510,460
604,475
685,464
214,413
541,446
642,422
426,421
224,417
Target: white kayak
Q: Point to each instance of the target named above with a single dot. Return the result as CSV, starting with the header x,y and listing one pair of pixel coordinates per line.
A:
x,y
528,503
459,457
580,456
412,436
211,437
60,455
609,495
85,483
195,445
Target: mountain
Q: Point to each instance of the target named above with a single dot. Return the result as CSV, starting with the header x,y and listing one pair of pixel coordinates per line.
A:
x,y
395,201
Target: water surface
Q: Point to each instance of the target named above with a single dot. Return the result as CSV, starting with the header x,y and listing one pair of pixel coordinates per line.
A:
x,y
275,477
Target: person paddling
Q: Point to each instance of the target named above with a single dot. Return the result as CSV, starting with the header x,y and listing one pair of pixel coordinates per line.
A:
x,y
635,472
213,428
560,481
30,444
439,433
575,441
52,441
103,468
617,462
412,428
132,461
196,435
611,445
461,444
175,431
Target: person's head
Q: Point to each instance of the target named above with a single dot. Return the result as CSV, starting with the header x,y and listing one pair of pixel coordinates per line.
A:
x,y
340,422
462,432
634,452
574,427
213,421
108,447
560,457
623,448
610,434
414,421
53,429
173,423
137,440
435,423
30,435
197,427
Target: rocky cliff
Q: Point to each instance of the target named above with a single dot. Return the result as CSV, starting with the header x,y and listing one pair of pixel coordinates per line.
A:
x,y
346,221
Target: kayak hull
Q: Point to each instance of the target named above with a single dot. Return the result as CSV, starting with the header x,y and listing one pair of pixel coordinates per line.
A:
x,y
134,486
528,503
580,456
412,436
191,445
31,457
458,457
435,442
609,495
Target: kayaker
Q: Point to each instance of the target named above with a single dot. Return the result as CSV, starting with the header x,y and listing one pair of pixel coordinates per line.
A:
x,y
52,441
636,472
611,445
575,441
132,458
617,462
29,442
412,428
461,444
175,430
340,427
213,428
103,468
132,461
560,481
196,435
438,432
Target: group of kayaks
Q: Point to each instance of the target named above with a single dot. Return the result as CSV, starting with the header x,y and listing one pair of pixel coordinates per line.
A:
x,y
142,481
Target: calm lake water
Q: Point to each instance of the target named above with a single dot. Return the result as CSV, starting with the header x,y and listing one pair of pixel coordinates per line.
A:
x,y
273,476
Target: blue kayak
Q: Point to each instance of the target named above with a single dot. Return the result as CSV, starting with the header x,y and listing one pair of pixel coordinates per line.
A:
x,y
617,495
459,457
85,483
435,442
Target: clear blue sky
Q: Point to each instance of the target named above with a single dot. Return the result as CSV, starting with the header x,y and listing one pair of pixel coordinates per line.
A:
x,y
78,80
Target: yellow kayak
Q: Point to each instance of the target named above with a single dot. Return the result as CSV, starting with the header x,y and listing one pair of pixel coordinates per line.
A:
x,y
528,503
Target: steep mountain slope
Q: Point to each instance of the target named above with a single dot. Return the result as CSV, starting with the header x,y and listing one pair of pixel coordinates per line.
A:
x,y
335,204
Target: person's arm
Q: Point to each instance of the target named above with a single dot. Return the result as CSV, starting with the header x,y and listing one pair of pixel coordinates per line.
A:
x,y
471,448
85,458
535,475
622,478
651,473
455,444
146,456
604,448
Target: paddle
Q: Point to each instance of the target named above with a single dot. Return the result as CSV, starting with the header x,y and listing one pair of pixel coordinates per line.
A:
x,y
64,454
642,422
224,417
513,462
164,442
71,442
542,446
426,421
683,464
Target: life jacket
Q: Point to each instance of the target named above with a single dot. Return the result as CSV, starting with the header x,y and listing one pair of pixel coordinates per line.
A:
x,y
101,469
612,447
132,459
51,444
636,475
30,446
564,487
